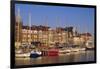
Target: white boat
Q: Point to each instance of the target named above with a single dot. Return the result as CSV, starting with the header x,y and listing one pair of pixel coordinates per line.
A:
x,y
22,55
35,54
64,51
89,45
18,51
82,49
64,54
75,49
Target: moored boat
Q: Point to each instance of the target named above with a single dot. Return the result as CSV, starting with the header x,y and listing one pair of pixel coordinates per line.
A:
x,y
35,54
89,48
53,52
64,51
75,49
22,55
18,51
82,49
89,45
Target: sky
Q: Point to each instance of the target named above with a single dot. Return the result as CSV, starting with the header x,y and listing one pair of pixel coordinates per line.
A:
x,y
57,16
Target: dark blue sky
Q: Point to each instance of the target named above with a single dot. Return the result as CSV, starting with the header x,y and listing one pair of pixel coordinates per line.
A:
x,y
82,18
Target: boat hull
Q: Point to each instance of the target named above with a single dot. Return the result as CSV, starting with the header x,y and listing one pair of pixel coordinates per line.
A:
x,y
75,50
89,48
34,55
22,55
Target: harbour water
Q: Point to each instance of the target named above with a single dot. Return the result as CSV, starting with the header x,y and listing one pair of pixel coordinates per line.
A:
x,y
82,56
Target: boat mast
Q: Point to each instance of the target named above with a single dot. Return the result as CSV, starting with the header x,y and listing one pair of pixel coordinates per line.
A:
x,y
18,28
79,34
86,38
46,29
57,32
85,34
30,28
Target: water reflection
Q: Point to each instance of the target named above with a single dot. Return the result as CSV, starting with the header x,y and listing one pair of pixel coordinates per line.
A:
x,y
70,57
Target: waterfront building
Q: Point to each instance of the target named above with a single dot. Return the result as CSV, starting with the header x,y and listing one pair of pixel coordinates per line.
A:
x,y
86,36
46,35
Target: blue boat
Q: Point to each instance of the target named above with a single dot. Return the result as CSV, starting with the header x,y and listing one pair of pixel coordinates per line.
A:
x,y
35,54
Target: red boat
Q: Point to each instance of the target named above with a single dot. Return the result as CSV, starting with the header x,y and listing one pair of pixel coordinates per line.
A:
x,y
53,52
